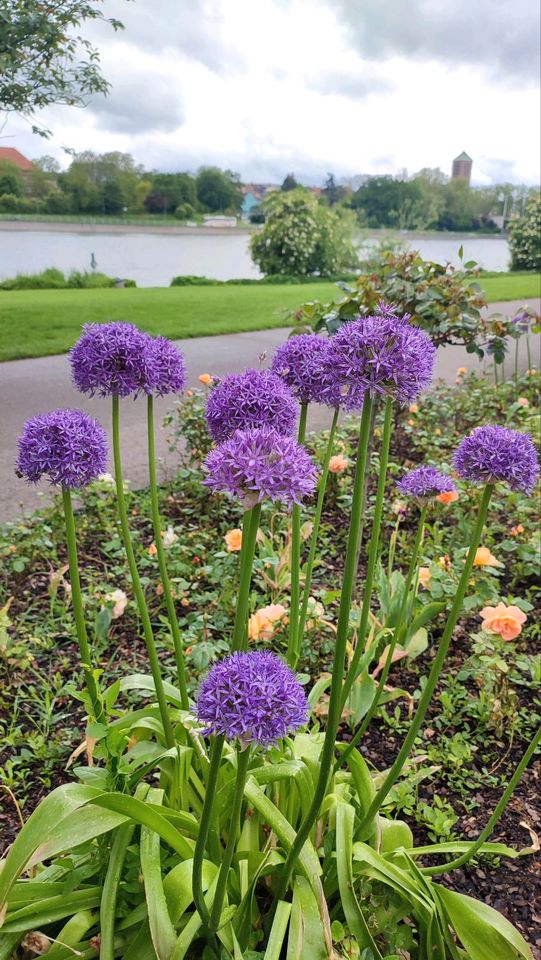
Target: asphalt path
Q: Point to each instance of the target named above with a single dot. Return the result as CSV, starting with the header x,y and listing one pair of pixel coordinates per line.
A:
x,y
29,387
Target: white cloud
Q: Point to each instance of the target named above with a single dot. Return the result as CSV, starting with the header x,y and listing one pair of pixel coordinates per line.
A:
x,y
311,86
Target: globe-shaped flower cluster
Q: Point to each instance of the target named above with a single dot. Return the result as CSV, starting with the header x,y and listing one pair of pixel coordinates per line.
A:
x,y
382,354
66,446
303,363
493,454
256,398
425,482
253,697
118,359
261,464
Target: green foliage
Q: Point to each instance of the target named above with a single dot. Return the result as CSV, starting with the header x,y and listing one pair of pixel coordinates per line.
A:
x,y
53,279
444,301
218,190
11,179
301,237
525,237
45,60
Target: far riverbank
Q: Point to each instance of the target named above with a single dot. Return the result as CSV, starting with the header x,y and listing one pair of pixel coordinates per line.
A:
x,y
102,226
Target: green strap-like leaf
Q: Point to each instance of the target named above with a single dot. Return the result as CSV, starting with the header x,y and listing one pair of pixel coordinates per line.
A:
x,y
484,933
278,931
345,819
162,931
148,816
71,935
306,938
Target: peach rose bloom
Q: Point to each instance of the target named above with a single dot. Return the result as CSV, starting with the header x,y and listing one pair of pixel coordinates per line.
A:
x,y
516,530
462,371
205,378
505,621
260,624
523,402
413,408
450,496
152,550
424,577
484,558
338,464
119,598
233,539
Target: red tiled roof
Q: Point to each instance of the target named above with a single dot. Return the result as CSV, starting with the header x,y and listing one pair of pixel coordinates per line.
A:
x,y
13,156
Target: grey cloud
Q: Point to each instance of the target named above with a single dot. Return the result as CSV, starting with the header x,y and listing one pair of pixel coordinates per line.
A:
x,y
347,84
139,103
499,35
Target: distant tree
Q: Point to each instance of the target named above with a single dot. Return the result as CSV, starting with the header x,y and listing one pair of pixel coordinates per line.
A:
x,y
525,237
301,237
289,183
44,59
47,164
218,190
168,190
333,193
113,199
257,214
11,179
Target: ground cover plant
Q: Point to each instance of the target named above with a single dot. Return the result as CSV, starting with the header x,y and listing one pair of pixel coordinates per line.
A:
x,y
356,888
48,320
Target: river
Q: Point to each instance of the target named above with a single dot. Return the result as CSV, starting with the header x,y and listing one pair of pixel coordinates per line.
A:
x,y
152,259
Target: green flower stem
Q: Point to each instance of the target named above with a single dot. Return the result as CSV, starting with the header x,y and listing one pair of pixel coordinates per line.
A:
x,y
373,550
136,582
335,702
293,638
398,634
250,526
495,372
529,351
516,364
204,825
162,563
78,608
315,533
437,665
243,758
500,807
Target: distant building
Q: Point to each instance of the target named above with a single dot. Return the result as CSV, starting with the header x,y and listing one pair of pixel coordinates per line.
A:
x,y
11,155
462,167
220,221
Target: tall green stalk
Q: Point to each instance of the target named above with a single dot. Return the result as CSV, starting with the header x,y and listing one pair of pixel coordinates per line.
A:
x,y
372,551
398,634
136,582
437,665
295,554
335,702
516,366
78,607
315,534
250,526
162,563
243,759
204,825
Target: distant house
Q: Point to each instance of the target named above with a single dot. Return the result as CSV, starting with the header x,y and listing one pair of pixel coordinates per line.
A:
x,y
11,155
462,167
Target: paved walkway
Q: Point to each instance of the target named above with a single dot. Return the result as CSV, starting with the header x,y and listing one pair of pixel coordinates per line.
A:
x,y
28,387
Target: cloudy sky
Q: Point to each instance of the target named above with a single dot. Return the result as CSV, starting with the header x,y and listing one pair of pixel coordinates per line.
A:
x,y
353,86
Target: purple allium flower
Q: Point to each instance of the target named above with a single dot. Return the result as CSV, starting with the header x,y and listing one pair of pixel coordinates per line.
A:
x,y
256,398
425,482
491,454
382,354
165,371
522,321
252,696
260,464
302,363
67,446
111,359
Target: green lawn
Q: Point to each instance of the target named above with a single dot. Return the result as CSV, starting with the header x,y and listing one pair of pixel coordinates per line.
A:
x,y
35,323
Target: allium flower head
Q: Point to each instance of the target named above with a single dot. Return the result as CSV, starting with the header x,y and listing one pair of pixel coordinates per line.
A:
x,y
165,371
302,363
111,359
261,464
256,398
492,454
66,446
425,482
383,354
253,697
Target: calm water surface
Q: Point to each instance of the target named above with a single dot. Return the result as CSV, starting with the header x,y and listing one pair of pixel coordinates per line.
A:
x,y
152,260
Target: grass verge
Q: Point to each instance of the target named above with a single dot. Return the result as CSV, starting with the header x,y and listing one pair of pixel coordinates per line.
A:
x,y
37,323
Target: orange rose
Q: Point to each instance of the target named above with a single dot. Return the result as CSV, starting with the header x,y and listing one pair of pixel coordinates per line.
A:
x,y
484,558
515,531
260,624
424,577
205,378
233,539
338,464
152,550
505,621
448,497
413,408
523,402
462,371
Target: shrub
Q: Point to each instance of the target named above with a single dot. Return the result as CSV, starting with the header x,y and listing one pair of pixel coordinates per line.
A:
x,y
190,280
301,237
53,279
525,237
88,281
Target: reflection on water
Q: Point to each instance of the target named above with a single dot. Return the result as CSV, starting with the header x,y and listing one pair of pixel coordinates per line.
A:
x,y
152,260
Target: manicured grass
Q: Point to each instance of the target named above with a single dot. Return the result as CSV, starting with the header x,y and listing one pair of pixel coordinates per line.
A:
x,y
35,323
